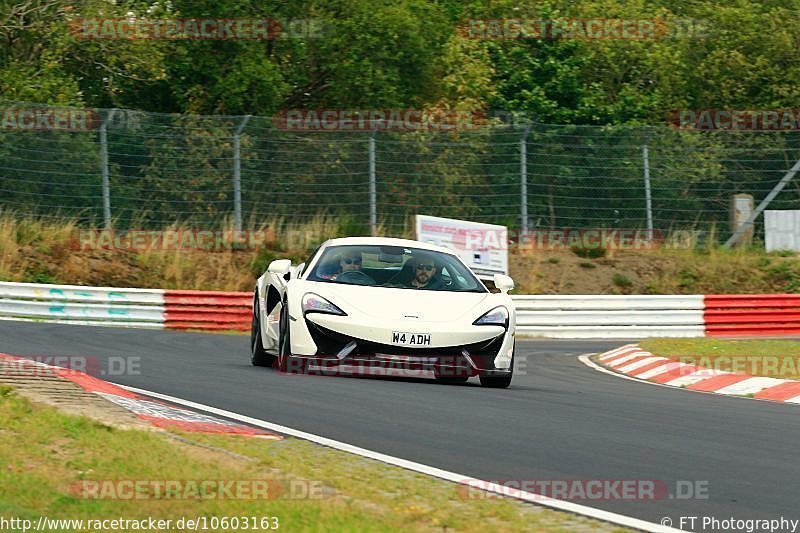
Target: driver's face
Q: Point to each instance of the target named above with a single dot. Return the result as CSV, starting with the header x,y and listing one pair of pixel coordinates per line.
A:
x,y
350,263
424,271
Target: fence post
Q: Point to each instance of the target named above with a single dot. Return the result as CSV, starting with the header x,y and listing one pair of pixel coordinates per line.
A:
x,y
523,180
105,174
373,208
237,174
647,198
747,224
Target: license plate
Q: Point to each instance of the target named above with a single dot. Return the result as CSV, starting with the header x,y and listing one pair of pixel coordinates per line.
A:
x,y
405,338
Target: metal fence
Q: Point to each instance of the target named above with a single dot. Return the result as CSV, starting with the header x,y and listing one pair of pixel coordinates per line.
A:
x,y
147,170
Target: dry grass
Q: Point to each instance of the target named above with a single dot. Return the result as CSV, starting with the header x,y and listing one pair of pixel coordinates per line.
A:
x,y
38,251
35,250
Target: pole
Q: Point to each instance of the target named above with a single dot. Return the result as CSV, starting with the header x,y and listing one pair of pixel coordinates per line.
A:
x,y
647,198
523,180
763,205
373,208
237,175
105,174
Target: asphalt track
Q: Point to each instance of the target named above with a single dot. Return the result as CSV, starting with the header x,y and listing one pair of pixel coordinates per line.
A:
x,y
559,420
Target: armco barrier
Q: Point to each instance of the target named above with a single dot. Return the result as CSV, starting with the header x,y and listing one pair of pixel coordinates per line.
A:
x,y
82,305
752,314
208,310
554,316
149,308
624,317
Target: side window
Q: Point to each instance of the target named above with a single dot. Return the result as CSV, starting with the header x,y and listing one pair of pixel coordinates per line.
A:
x,y
308,262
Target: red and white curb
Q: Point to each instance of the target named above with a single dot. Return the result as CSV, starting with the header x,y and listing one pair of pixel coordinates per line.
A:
x,y
632,361
157,413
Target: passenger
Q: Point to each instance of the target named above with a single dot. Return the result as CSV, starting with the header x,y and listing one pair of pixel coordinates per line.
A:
x,y
348,261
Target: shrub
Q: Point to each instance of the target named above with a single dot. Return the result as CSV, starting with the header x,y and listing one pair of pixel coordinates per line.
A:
x,y
621,280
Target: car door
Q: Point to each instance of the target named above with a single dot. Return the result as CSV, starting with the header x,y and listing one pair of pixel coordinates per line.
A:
x,y
271,288
274,305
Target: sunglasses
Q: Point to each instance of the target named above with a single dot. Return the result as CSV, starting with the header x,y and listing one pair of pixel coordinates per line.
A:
x,y
426,267
351,260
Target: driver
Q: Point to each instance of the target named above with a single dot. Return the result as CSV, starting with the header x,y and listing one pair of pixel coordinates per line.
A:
x,y
349,261
425,273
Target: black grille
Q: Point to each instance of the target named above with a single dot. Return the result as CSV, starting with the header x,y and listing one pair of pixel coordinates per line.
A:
x,y
331,342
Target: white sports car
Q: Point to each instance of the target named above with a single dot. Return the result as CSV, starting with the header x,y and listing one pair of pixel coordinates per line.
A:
x,y
384,303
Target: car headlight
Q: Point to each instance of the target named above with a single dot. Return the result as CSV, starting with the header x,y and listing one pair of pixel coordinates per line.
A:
x,y
496,317
314,303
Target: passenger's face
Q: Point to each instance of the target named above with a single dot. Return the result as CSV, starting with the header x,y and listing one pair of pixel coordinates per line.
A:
x,y
350,263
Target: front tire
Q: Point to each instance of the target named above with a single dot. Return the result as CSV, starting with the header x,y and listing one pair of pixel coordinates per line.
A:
x,y
258,356
287,363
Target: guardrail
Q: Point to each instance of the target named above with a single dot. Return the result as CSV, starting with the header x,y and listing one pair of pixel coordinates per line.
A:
x,y
752,314
609,316
73,304
141,308
553,316
208,310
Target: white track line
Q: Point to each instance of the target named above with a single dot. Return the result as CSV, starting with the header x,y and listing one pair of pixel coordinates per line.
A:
x,y
530,497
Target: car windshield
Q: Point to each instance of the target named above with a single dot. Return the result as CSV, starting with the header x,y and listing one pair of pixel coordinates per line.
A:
x,y
394,267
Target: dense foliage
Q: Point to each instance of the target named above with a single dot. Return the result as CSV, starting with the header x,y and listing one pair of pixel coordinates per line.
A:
x,y
609,96
410,54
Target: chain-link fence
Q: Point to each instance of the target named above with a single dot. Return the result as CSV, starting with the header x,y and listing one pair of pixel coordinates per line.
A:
x,y
143,170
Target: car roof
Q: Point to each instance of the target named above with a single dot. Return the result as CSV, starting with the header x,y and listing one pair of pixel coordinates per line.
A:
x,y
385,241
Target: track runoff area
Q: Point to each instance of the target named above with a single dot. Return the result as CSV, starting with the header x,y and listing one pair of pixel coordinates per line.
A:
x,y
620,448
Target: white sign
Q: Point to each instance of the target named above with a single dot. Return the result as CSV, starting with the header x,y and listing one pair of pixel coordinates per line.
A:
x,y
483,247
782,230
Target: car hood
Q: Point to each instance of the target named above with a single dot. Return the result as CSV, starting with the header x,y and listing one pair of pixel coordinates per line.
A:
x,y
382,302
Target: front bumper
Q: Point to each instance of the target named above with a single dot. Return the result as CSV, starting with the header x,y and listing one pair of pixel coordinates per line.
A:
x,y
335,349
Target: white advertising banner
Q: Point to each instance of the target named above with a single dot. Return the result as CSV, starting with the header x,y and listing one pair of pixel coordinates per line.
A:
x,y
483,247
782,230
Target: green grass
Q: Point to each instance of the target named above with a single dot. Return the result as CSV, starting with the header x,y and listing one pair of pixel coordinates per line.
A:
x,y
43,452
768,357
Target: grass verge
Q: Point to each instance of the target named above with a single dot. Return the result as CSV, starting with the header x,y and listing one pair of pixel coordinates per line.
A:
x,y
44,452
768,358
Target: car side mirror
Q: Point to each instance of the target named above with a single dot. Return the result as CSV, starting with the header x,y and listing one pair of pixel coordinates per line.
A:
x,y
503,282
280,266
